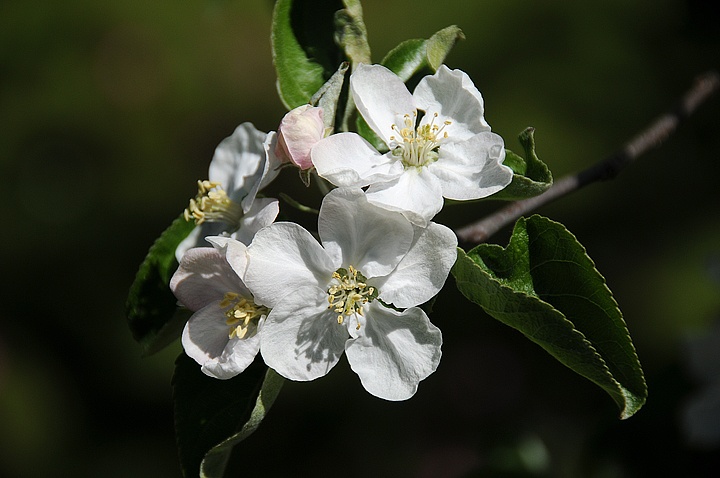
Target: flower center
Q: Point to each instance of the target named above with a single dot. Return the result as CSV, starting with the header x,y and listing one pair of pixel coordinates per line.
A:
x,y
212,204
242,315
348,292
418,146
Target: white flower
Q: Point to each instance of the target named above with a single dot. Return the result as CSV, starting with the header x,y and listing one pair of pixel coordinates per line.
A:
x,y
299,130
241,166
447,152
329,298
222,334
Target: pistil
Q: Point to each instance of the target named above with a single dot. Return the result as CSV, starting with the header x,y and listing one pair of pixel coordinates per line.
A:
x,y
349,292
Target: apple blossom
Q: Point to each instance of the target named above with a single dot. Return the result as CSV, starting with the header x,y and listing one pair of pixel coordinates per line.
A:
x,y
333,297
222,334
445,151
226,202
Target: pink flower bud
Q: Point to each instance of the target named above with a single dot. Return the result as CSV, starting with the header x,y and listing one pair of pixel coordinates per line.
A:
x,y
299,130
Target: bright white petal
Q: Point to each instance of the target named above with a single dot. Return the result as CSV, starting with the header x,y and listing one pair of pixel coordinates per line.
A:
x,y
262,213
355,232
453,96
423,271
381,98
394,351
202,277
283,257
472,169
238,163
347,159
205,339
417,194
301,339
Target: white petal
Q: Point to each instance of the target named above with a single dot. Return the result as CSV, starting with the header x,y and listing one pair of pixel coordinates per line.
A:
x,y
416,194
347,159
453,96
197,236
262,213
423,271
202,277
283,257
472,169
394,351
271,167
235,253
238,163
381,98
205,339
355,232
301,339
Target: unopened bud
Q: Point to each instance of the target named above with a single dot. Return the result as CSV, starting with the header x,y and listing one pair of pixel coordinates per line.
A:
x,y
299,130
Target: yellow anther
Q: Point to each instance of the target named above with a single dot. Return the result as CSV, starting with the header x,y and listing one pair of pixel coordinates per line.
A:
x,y
212,204
241,314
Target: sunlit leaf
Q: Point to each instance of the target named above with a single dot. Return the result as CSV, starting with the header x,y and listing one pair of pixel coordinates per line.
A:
x,y
304,49
419,56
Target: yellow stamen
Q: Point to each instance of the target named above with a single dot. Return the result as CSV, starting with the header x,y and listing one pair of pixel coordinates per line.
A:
x,y
242,314
212,204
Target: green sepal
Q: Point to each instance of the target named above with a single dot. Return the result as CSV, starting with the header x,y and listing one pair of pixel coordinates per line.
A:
x,y
212,415
546,286
531,176
327,98
151,308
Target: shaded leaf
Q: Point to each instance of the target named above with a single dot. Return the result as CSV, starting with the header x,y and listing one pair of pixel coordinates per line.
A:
x,y
351,33
211,415
216,459
151,305
545,285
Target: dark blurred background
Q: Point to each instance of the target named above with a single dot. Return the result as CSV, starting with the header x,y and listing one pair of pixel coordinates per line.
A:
x,y
109,113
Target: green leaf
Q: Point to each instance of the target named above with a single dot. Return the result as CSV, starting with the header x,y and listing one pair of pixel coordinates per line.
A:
x,y
422,57
212,416
304,50
531,176
545,285
151,306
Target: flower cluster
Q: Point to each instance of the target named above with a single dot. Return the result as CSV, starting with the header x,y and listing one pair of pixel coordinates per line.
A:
x,y
273,288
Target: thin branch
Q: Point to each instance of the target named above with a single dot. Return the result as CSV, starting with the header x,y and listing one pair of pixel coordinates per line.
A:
x,y
653,136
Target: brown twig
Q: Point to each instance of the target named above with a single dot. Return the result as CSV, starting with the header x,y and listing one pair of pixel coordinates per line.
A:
x,y
652,137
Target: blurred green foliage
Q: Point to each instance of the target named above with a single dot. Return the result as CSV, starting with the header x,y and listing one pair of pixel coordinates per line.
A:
x,y
109,113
